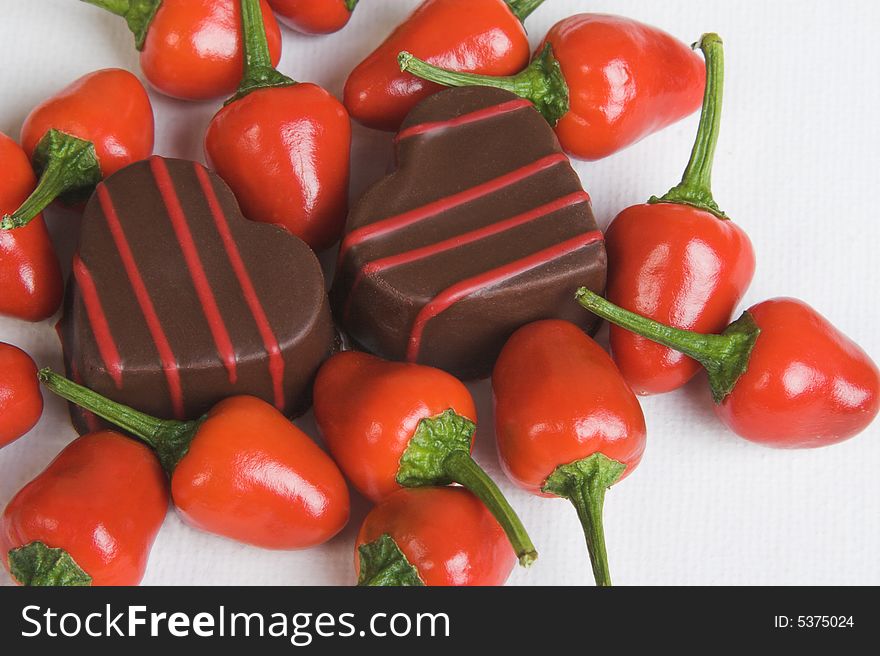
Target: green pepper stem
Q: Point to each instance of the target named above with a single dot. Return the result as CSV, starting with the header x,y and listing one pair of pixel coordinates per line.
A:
x,y
584,483
695,187
463,469
51,185
522,9
138,14
351,4
439,453
137,423
383,564
37,565
542,82
69,166
696,345
725,357
589,501
168,437
259,73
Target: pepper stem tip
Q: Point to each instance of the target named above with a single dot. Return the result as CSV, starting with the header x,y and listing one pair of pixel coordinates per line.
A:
x,y
403,60
708,39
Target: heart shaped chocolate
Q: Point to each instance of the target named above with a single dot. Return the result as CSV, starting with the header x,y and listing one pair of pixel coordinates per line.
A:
x,y
483,227
177,301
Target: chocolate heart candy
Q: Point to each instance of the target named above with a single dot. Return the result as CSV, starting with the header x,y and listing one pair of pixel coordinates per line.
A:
x,y
177,302
482,228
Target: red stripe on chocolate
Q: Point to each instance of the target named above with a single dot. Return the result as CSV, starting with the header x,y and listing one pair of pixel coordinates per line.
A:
x,y
91,418
98,321
270,342
464,239
406,219
194,263
449,297
166,354
464,119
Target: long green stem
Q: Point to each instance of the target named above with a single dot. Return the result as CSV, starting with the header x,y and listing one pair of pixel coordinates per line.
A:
x,y
137,423
69,166
588,501
542,82
259,73
138,14
584,483
725,357
522,9
464,470
695,187
439,453
169,438
51,185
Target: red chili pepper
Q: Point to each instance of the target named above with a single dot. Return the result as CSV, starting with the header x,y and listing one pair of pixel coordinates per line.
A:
x,y
242,471
21,402
604,82
435,536
190,49
90,518
283,147
312,17
392,424
480,36
678,259
781,374
566,422
97,125
30,275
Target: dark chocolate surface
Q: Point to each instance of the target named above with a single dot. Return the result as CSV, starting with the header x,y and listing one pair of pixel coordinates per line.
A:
x,y
177,301
482,228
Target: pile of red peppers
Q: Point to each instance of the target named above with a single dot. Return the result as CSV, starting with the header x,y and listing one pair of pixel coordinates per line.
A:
x,y
567,421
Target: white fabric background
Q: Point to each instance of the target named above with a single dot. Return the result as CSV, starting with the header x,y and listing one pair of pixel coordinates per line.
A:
x,y
797,167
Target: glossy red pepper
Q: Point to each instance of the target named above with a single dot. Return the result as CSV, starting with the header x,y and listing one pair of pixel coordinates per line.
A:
x,y
191,49
284,147
678,259
566,422
21,402
604,82
435,536
312,17
479,36
90,518
243,471
30,276
95,126
393,424
781,374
